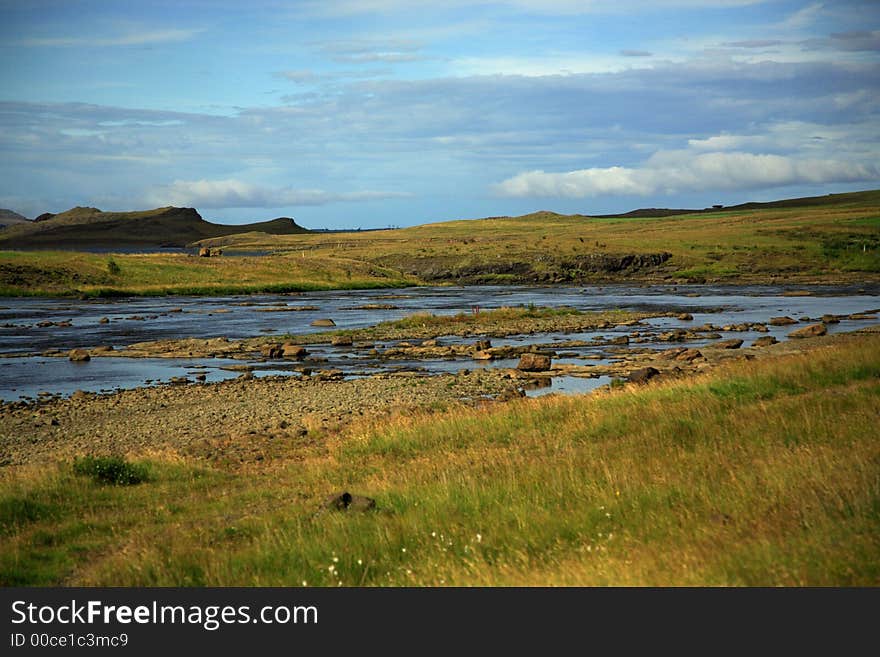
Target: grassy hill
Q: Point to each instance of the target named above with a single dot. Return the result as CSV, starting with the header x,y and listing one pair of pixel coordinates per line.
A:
x,y
88,227
10,218
830,239
834,237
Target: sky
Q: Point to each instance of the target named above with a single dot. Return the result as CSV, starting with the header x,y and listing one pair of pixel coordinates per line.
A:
x,y
376,113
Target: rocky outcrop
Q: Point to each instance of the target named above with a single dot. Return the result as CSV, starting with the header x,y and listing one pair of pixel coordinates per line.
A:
x,y
765,341
811,331
729,344
782,321
324,322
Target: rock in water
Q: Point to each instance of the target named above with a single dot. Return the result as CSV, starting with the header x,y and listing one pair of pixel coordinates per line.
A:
x,y
272,350
782,321
79,355
534,363
293,351
811,331
324,322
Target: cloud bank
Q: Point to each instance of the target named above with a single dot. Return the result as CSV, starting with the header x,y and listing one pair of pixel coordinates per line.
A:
x,y
231,193
672,172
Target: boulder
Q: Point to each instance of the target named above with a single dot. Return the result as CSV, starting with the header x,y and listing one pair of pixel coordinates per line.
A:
x,y
104,320
729,344
689,354
296,351
830,319
324,322
482,345
643,375
347,502
862,316
79,355
342,341
534,363
811,331
765,341
272,350
621,339
782,321
685,317
482,355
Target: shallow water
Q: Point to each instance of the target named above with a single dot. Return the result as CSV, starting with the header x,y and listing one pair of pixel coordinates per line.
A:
x,y
140,319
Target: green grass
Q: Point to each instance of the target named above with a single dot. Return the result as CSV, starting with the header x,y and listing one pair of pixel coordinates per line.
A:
x,y
760,473
111,470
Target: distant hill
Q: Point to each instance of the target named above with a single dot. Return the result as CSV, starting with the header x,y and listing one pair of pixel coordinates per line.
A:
x,y
163,227
855,198
9,218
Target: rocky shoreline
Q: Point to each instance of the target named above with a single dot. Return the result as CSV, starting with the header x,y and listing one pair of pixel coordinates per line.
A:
x,y
251,420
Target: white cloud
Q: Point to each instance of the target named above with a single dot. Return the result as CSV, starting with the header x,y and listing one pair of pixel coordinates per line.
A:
x,y
231,193
140,38
680,171
804,17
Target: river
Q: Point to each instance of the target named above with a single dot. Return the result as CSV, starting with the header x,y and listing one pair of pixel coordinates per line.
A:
x,y
30,326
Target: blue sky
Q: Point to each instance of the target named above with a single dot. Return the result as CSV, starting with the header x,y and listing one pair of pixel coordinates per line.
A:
x,y
370,113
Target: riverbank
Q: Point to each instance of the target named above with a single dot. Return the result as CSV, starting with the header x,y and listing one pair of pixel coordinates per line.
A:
x,y
759,469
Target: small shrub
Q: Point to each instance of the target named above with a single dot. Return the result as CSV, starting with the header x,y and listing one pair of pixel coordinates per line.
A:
x,y
112,268
110,470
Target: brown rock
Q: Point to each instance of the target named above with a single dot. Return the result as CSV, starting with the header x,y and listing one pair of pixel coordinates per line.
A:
x,y
342,341
862,316
272,350
79,355
643,375
482,345
729,344
765,341
104,320
782,321
689,354
483,355
830,319
811,331
686,317
534,363
324,322
296,351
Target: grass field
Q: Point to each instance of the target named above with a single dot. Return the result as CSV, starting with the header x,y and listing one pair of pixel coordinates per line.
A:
x,y
837,240
87,274
758,473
